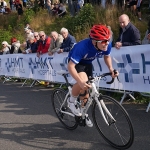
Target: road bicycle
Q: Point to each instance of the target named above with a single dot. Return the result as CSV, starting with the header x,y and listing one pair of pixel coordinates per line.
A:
x,y
110,118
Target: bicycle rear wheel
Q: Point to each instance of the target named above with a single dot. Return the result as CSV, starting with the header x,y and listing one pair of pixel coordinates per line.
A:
x,y
67,120
118,133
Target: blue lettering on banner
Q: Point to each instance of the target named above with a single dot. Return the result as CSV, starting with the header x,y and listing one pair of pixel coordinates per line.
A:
x,y
13,63
127,62
21,70
44,72
43,66
144,63
146,79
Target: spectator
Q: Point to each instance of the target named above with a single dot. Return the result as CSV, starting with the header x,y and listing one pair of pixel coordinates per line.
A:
x,y
111,38
56,42
56,2
146,39
133,4
121,4
73,7
33,46
28,27
37,38
2,10
24,3
28,31
55,9
11,4
15,46
80,3
6,48
41,3
3,4
17,2
129,34
19,10
138,7
44,43
62,10
49,6
68,41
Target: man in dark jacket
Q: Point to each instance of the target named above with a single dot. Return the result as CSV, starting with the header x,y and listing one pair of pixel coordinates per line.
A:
x,y
129,34
68,41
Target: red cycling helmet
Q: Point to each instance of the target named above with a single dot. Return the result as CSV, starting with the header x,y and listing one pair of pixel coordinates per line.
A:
x,y
99,33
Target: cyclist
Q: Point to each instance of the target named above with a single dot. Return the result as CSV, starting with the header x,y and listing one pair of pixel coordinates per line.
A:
x,y
80,64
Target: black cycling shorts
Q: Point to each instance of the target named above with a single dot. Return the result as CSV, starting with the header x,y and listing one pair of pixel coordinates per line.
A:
x,y
87,68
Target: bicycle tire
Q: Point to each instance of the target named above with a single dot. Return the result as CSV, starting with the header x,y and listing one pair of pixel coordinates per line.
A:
x,y
119,134
58,97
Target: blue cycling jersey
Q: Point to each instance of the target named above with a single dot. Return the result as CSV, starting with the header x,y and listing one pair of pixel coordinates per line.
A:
x,y
85,52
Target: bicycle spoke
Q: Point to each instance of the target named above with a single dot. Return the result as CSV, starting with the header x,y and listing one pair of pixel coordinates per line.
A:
x,y
119,133
67,120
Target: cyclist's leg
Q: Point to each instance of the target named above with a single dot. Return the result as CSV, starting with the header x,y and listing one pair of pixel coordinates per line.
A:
x,y
76,89
84,71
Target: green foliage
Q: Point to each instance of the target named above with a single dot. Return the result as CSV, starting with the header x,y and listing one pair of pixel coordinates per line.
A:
x,y
5,35
84,19
28,15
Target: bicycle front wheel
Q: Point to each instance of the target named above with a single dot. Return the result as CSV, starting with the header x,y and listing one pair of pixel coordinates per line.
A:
x,y
58,98
119,133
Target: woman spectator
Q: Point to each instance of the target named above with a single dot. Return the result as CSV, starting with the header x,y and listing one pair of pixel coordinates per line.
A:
x,y
62,10
33,46
15,46
37,38
55,10
49,6
6,48
19,10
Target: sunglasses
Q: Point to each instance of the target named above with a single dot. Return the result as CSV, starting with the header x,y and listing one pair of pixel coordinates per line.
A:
x,y
36,36
41,36
103,41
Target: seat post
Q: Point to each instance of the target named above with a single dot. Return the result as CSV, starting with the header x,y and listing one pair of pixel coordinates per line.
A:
x,y
65,76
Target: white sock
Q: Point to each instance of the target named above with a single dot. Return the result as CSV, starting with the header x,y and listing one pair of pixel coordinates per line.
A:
x,y
72,99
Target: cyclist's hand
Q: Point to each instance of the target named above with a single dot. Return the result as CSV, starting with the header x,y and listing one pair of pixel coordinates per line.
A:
x,y
114,73
84,85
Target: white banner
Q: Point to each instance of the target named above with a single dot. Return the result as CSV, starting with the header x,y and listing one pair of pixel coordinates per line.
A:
x,y
132,62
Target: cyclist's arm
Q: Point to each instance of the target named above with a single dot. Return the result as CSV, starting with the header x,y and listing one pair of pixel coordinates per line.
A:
x,y
108,62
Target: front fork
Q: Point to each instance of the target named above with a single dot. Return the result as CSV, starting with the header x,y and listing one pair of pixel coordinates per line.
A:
x,y
102,107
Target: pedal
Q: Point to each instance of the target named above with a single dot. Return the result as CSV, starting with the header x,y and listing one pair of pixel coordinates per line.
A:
x,y
64,108
80,121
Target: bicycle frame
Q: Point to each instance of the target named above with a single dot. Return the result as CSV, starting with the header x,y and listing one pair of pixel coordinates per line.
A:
x,y
94,95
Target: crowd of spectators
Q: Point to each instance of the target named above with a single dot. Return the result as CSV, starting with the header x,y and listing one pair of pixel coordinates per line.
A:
x,y
58,8
59,42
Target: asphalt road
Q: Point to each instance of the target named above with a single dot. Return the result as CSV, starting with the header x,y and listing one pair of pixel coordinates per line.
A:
x,y
28,122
